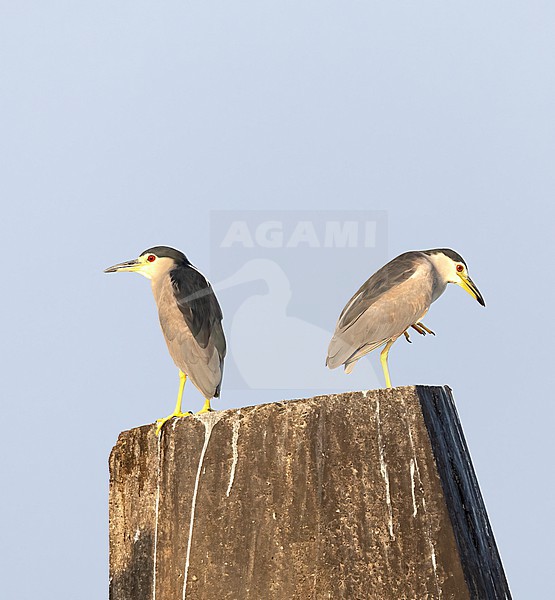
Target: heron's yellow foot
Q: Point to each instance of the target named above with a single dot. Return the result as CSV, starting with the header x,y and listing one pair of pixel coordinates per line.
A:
x,y
160,422
407,337
421,328
206,408
417,327
425,328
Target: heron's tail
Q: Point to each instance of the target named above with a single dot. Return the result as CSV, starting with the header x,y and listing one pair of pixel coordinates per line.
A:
x,y
339,351
350,365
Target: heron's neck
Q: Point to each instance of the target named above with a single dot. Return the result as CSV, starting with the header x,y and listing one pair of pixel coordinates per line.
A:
x,y
157,284
441,272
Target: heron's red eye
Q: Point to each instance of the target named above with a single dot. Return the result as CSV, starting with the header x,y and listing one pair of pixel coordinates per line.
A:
x,y
151,258
460,268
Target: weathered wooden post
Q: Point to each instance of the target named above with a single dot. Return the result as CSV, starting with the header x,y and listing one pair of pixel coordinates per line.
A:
x,y
351,496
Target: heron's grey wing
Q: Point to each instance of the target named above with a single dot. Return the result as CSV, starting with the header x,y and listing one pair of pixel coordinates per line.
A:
x,y
387,318
389,276
378,310
199,348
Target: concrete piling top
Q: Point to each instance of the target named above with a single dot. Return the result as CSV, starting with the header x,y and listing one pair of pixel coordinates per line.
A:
x,y
348,496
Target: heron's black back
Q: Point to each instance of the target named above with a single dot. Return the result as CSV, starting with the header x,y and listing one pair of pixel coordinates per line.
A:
x,y
200,308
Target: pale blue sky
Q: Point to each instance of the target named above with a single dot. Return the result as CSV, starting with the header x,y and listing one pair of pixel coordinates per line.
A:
x,y
123,124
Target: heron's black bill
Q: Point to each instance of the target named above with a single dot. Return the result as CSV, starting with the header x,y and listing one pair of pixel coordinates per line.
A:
x,y
129,265
475,291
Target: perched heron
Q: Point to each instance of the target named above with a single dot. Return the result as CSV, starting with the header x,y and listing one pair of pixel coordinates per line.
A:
x,y
190,317
394,299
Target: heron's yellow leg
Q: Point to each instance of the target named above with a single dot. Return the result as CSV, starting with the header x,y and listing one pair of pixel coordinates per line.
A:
x,y
177,411
383,359
182,381
206,408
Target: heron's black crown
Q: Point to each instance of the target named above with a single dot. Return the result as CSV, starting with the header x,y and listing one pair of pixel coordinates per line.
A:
x,y
167,252
448,252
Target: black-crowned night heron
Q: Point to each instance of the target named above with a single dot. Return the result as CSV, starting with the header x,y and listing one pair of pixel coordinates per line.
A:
x,y
395,298
191,320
